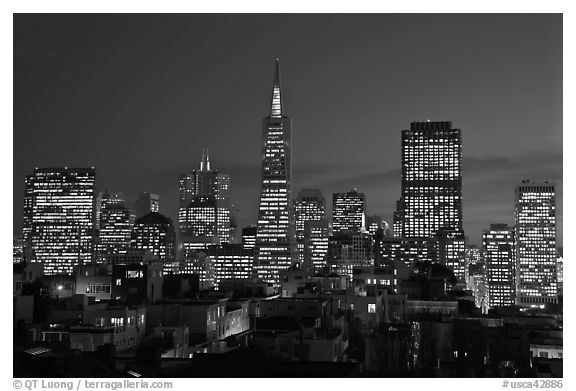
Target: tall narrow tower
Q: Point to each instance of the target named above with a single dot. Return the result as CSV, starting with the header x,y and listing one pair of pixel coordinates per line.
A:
x,y
535,215
275,236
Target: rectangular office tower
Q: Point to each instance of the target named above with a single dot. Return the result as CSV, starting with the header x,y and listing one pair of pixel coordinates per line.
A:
x,y
348,212
316,236
61,218
310,205
500,265
535,216
275,237
116,222
431,197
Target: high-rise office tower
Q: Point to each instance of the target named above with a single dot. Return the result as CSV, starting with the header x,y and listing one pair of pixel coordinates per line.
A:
x,y
560,271
316,236
535,217
275,239
200,217
500,265
147,203
104,198
390,250
205,202
116,223
231,261
473,256
28,209
348,212
61,220
17,249
308,206
452,252
348,250
249,237
397,220
155,232
431,197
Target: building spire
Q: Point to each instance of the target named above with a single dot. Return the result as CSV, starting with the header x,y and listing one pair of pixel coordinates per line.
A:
x,y
276,108
205,162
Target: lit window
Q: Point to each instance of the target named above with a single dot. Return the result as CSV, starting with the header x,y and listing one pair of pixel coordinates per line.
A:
x,y
371,308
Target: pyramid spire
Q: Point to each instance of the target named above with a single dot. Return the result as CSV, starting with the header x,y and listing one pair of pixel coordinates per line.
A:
x,y
207,161
276,108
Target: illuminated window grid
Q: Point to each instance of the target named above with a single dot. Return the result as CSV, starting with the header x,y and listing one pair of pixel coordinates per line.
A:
x,y
61,219
431,179
348,212
536,244
500,265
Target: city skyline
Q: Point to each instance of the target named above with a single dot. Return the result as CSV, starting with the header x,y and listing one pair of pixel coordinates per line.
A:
x,y
362,133
435,142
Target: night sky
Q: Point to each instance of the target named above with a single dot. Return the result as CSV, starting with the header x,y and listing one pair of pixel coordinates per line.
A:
x,y
139,96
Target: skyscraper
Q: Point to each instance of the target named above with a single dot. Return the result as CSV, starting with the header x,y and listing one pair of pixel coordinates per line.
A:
x,y
349,250
275,237
452,252
116,222
348,212
17,249
205,202
560,270
316,236
61,223
155,232
535,217
147,203
249,237
231,261
104,198
28,209
308,206
431,197
500,265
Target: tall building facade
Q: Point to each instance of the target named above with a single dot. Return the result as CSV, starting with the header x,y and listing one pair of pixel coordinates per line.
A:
x,y
102,200
560,270
452,252
116,223
28,210
431,197
204,202
408,251
275,238
348,212
309,205
316,238
147,203
17,249
155,233
249,237
500,265
62,217
349,250
535,218
231,261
